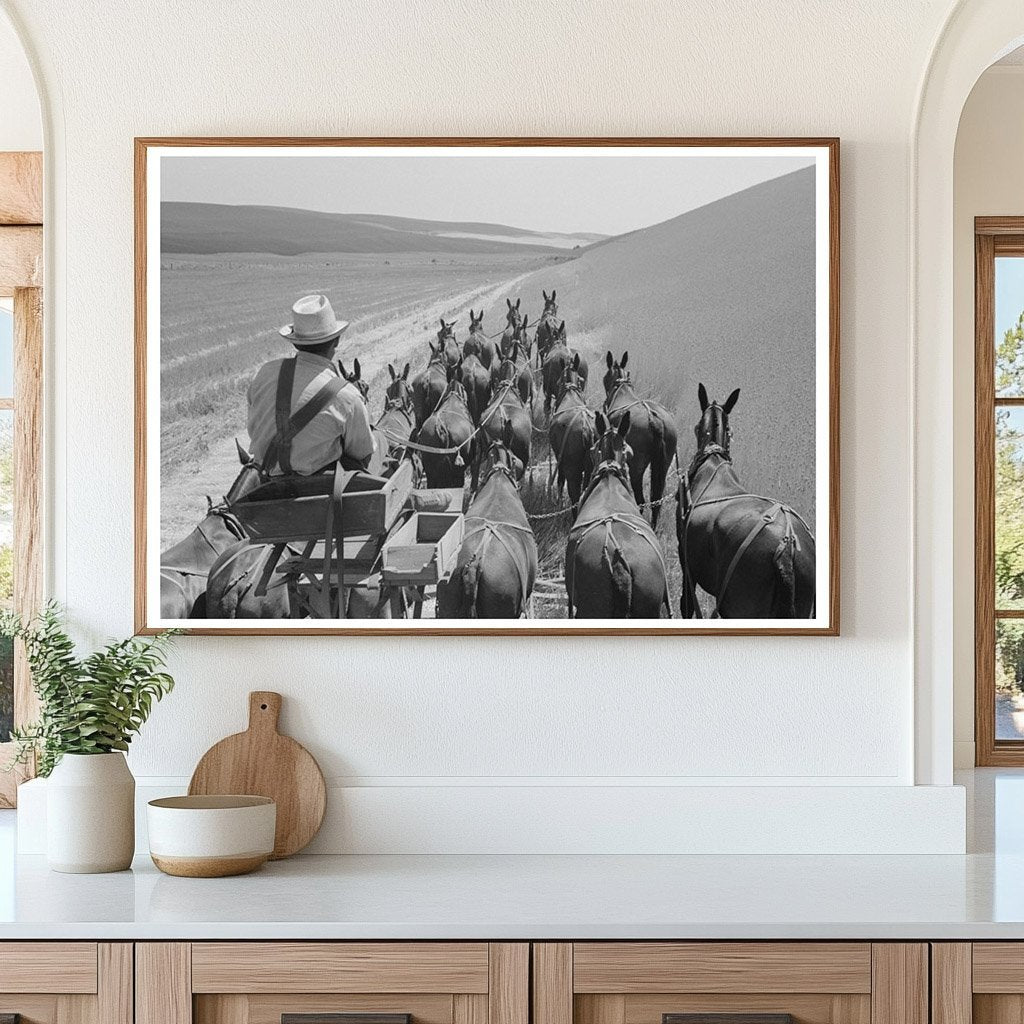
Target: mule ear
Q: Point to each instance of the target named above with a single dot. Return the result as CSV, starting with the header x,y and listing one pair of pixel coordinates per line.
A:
x,y
405,372
576,361
391,370
520,299
442,323
624,425
342,370
545,294
730,402
561,328
553,294
243,456
508,302
609,360
702,397
357,373
600,422
432,349
624,360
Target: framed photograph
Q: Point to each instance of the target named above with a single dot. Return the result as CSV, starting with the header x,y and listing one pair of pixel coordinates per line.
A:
x,y
448,386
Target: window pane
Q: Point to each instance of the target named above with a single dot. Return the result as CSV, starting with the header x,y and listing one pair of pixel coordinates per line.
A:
x,y
6,567
6,353
1009,679
1009,524
1009,326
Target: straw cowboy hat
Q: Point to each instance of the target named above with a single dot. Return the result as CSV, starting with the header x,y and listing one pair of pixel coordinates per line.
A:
x,y
314,322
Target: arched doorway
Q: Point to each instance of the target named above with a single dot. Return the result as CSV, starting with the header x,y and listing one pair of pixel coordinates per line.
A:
x,y
976,34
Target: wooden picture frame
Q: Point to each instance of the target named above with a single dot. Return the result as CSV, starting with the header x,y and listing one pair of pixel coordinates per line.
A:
x,y
824,153
993,237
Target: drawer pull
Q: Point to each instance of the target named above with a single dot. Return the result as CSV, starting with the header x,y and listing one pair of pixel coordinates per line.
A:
x,y
727,1018
339,1018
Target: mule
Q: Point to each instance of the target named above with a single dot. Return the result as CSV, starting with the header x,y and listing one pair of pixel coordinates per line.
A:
x,y
546,326
447,343
557,358
519,356
754,555
513,322
497,562
478,344
508,410
614,564
449,427
476,378
572,434
652,433
355,376
235,575
429,385
185,566
396,422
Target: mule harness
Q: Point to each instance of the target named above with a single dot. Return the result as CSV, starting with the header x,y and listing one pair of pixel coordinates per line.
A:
x,y
491,528
767,518
635,522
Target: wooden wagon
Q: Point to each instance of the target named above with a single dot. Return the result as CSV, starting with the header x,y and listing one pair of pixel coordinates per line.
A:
x,y
354,545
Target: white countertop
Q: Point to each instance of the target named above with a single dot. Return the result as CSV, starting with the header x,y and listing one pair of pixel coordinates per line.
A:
x,y
977,896
452,897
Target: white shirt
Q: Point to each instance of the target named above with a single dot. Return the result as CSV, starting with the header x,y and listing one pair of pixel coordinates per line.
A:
x,y
342,427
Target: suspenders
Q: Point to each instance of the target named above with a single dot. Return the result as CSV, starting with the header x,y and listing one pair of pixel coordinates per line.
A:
x,y
289,424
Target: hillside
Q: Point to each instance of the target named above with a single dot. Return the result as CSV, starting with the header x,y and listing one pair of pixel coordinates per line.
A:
x,y
724,295
204,228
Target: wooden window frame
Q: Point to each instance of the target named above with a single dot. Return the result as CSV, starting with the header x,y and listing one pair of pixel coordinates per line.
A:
x,y
21,278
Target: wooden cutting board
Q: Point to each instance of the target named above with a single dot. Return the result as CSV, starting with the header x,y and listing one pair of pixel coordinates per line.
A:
x,y
262,762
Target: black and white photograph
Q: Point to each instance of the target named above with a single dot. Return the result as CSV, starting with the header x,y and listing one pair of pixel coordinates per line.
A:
x,y
449,386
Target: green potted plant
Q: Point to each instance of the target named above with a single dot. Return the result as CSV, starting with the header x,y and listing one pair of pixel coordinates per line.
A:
x,y
90,708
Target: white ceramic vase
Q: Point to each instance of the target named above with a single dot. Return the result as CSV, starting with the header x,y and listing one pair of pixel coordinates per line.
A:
x,y
90,814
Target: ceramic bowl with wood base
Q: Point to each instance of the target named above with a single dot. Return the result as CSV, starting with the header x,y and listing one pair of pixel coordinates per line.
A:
x,y
211,836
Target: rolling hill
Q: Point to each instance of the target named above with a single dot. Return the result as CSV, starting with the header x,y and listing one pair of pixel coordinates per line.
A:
x,y
724,295
204,228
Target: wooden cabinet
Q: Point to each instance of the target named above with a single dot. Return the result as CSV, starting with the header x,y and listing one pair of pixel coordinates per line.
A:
x,y
980,982
754,982
66,982
262,982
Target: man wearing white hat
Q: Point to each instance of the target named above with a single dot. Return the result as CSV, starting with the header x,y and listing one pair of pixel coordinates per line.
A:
x,y
304,416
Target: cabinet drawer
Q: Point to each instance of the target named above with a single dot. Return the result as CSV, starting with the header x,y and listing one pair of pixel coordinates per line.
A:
x,y
340,967
66,982
65,967
634,967
730,983
332,983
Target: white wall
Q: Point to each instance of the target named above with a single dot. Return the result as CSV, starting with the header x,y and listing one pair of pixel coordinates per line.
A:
x,y
21,126
433,715
987,181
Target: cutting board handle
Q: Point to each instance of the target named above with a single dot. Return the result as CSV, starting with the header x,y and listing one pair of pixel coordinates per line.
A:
x,y
264,710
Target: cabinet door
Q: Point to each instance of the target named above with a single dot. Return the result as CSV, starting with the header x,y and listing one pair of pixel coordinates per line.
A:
x,y
981,982
730,983
65,983
332,983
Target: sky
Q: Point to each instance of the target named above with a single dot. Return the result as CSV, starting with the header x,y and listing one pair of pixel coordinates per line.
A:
x,y
574,193
6,354
1009,293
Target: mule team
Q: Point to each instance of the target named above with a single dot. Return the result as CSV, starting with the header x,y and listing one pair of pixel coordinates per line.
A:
x,y
471,408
